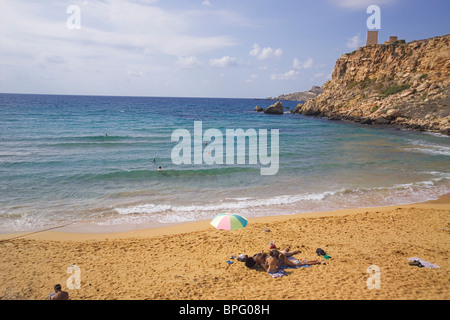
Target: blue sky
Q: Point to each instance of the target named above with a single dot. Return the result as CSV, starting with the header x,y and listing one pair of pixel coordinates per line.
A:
x,y
195,48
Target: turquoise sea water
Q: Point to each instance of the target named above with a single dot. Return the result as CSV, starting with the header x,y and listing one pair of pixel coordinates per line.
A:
x,y
89,159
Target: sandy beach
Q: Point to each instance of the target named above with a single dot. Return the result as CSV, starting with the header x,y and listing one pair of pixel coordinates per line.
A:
x,y
188,262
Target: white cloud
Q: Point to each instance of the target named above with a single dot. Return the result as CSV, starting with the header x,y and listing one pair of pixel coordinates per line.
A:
x,y
354,42
265,53
303,65
361,4
206,3
290,75
223,62
188,62
44,59
252,78
117,25
135,73
146,2
320,77
36,43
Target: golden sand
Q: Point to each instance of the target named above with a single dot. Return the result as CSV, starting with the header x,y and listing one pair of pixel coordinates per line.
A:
x,y
188,261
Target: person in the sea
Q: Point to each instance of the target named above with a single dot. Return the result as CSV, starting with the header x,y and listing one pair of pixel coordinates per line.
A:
x,y
159,169
59,294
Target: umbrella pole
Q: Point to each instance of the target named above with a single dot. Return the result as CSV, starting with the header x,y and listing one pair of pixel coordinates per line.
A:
x,y
227,241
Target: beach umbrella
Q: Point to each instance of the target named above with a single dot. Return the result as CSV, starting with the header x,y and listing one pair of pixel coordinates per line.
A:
x,y
228,221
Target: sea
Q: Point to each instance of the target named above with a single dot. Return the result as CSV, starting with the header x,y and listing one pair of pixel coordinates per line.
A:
x,y
93,161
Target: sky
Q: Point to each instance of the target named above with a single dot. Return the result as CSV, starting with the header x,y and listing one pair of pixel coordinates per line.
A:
x,y
193,48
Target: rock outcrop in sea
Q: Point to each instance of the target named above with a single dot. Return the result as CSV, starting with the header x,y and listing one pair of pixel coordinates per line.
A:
x,y
276,108
403,84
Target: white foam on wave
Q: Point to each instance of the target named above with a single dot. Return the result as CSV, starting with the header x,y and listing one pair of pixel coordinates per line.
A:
x,y
30,220
429,148
241,199
239,203
148,208
441,175
396,194
329,200
436,134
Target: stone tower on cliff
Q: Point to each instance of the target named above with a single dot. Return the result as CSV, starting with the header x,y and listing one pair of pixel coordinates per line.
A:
x,y
372,37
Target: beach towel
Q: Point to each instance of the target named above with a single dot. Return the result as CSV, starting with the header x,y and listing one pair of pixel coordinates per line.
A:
x,y
424,263
293,259
277,274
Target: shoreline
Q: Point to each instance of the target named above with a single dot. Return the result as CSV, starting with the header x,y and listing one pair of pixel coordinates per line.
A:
x,y
92,232
189,261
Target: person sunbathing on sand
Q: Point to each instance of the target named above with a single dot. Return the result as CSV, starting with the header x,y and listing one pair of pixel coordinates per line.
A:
x,y
285,262
289,254
286,251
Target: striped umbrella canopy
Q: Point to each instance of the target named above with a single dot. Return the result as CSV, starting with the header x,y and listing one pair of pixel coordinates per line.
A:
x,y
228,221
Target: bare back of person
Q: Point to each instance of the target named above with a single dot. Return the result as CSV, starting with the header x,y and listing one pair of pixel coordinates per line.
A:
x,y
61,295
272,264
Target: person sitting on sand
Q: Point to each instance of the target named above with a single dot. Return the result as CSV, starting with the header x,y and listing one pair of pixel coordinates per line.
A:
x,y
59,294
260,259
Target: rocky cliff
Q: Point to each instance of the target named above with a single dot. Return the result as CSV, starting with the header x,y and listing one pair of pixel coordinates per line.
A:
x,y
300,96
404,84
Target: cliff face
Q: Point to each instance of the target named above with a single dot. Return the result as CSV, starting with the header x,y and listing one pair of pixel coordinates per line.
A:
x,y
405,84
300,96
